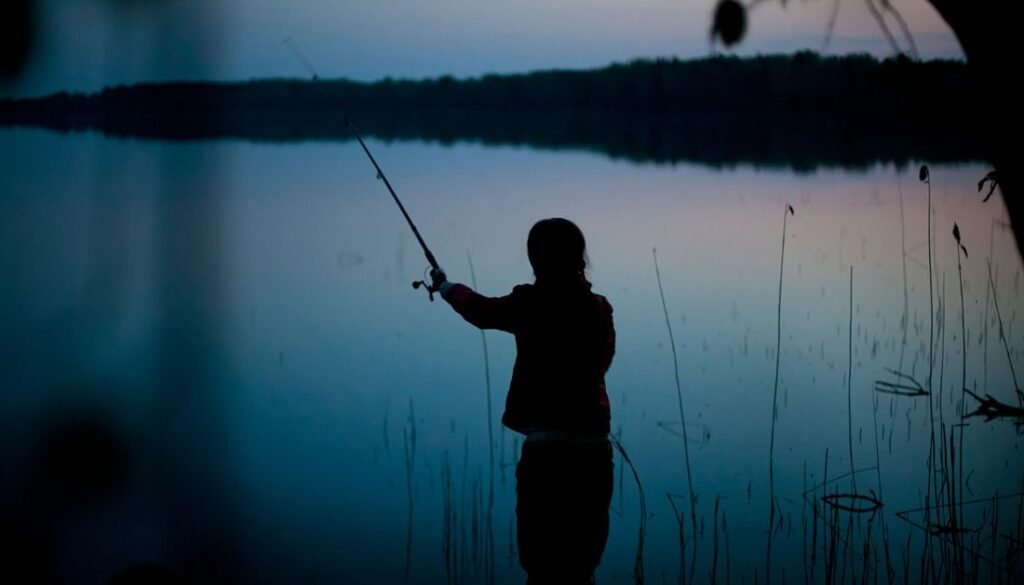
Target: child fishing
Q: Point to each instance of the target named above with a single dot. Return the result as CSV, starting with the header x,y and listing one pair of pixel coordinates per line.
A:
x,y
565,341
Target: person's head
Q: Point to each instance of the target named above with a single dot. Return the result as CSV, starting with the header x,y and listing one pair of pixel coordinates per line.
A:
x,y
557,250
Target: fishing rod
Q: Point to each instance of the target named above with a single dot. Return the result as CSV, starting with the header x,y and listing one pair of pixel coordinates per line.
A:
x,y
416,232
380,177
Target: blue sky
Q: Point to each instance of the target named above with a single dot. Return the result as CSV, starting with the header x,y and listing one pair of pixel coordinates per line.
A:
x,y
87,44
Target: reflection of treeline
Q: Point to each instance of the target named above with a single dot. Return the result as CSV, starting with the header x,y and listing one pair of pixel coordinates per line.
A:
x,y
799,110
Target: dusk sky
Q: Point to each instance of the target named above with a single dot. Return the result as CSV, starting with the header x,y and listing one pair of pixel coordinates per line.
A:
x,y
87,44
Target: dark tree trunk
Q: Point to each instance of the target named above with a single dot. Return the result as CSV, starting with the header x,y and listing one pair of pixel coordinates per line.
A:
x,y
991,34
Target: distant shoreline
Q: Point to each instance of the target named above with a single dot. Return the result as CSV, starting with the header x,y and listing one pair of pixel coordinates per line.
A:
x,y
800,111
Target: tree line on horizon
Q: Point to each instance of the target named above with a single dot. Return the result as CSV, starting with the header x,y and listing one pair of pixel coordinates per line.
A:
x,y
802,83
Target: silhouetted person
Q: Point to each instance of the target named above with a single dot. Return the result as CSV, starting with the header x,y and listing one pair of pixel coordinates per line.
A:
x,y
565,341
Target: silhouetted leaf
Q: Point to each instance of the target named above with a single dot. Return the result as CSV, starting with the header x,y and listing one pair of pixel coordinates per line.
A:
x,y
791,212
991,177
991,409
730,22
924,175
854,503
956,234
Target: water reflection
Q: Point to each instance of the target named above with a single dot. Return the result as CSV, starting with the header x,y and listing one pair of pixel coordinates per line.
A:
x,y
798,142
279,277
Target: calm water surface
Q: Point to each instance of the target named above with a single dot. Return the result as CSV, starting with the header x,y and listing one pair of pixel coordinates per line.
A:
x,y
238,319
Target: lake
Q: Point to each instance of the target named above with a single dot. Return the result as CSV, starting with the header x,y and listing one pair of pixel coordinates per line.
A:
x,y
213,361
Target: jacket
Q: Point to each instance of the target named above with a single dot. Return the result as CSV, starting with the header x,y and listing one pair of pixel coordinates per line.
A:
x,y
565,341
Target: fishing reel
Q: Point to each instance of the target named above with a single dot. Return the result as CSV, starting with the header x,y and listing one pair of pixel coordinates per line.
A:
x,y
431,289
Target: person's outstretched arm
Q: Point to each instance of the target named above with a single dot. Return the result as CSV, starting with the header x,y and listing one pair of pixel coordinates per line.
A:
x,y
479,310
